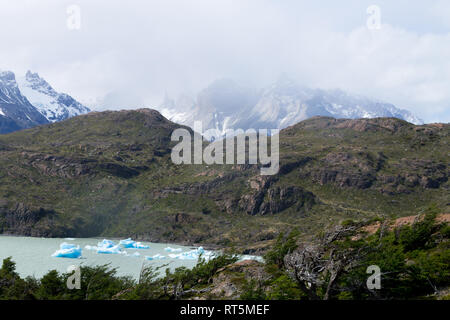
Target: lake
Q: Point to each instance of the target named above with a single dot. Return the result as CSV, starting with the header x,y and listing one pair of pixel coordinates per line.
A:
x,y
33,256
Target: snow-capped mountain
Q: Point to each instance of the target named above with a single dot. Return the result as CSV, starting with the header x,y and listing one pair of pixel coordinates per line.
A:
x,y
16,112
225,105
29,101
52,105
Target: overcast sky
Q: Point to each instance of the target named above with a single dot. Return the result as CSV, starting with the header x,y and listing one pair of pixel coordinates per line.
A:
x,y
127,54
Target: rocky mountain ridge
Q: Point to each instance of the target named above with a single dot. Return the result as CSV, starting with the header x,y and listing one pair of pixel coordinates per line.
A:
x,y
30,101
226,105
110,174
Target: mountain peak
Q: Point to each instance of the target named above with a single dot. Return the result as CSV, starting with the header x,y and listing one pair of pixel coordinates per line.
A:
x,y
16,111
31,74
39,84
7,78
51,104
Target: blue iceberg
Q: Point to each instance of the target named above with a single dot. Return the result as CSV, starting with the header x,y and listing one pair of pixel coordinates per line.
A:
x,y
129,243
139,245
66,245
192,255
110,250
155,257
108,247
67,250
169,249
106,244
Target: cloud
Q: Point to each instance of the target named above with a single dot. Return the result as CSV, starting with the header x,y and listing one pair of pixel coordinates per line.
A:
x,y
127,55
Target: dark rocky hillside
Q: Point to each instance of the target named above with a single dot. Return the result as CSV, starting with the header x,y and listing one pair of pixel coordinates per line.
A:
x,y
110,174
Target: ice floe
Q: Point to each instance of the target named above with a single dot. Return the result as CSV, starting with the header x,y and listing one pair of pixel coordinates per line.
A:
x,y
129,243
106,247
110,250
67,250
192,254
66,245
155,257
169,249
105,243
139,245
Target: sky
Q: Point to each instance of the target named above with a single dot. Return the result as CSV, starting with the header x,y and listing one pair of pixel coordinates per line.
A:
x,y
112,54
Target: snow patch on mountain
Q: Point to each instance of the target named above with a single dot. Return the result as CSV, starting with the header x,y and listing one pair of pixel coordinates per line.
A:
x,y
225,105
16,111
52,105
9,90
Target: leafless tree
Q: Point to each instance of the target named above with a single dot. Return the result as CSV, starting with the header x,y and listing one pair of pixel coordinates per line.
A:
x,y
319,264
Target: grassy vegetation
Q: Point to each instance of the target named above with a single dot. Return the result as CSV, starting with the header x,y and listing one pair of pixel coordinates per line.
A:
x,y
110,174
413,259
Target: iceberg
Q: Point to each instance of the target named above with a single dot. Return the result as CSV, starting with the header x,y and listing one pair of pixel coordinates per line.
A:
x,y
106,244
108,247
169,249
139,245
192,255
155,257
66,245
110,250
129,243
67,250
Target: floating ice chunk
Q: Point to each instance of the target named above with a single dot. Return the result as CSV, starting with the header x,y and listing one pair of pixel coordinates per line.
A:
x,y
169,249
110,250
88,247
72,252
192,255
66,245
106,244
136,254
139,245
69,239
108,247
129,243
155,257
